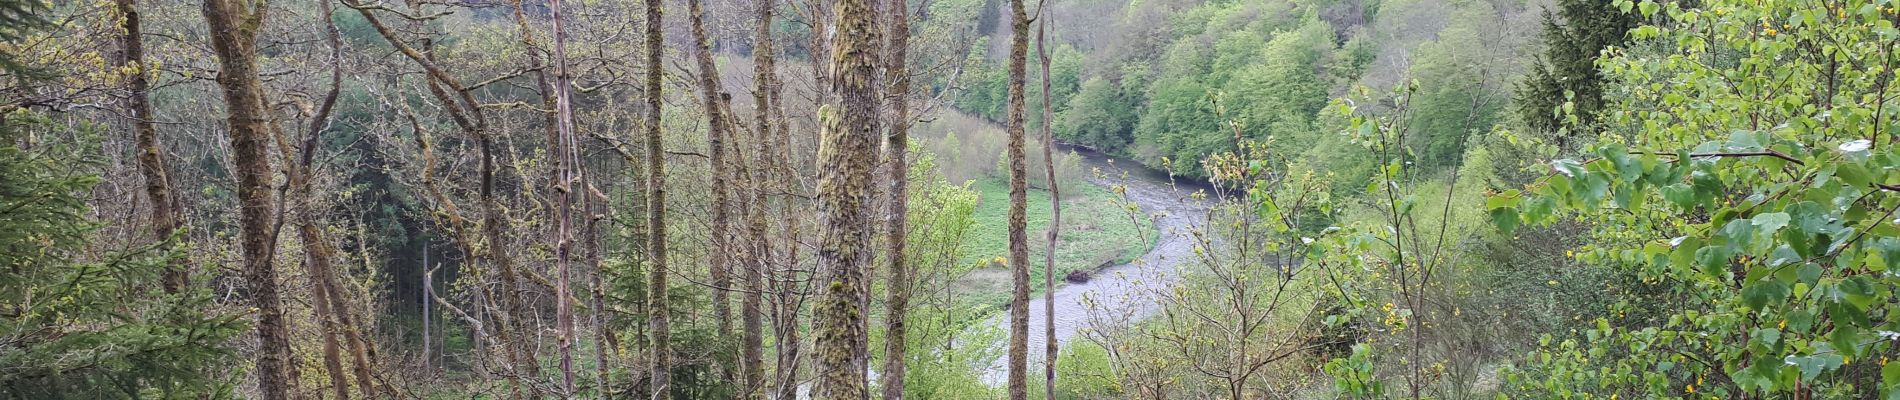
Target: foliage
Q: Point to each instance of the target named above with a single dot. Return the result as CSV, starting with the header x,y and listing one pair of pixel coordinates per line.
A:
x,y
1745,174
1562,95
82,324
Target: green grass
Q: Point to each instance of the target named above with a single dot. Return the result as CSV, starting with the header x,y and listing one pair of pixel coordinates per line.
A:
x,y
1096,230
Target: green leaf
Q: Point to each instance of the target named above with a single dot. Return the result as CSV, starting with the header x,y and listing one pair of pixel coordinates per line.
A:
x,y
1812,366
1505,219
1759,294
1770,222
1858,291
1854,174
1767,337
1681,195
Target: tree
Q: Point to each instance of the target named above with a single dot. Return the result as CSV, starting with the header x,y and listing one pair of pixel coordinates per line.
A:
x,y
1564,82
567,153
713,100
1752,199
1018,208
167,217
846,160
82,325
331,308
1055,216
458,101
660,370
752,341
234,26
898,285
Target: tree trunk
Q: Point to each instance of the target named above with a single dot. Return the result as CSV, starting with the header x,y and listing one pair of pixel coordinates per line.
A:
x,y
752,341
566,158
661,365
847,158
167,215
234,25
719,255
789,289
1018,209
898,285
1055,219
334,311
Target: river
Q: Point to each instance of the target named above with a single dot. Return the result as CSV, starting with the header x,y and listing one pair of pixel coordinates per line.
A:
x,y
1117,296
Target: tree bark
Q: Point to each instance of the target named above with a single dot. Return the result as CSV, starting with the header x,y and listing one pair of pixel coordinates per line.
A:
x,y
1055,219
333,304
567,157
1018,209
718,257
234,25
898,285
661,364
752,341
167,215
847,159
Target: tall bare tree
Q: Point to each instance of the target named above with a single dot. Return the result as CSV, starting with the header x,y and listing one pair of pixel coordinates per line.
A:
x,y
752,368
717,131
847,157
234,26
567,157
659,330
1055,216
331,305
1018,208
897,286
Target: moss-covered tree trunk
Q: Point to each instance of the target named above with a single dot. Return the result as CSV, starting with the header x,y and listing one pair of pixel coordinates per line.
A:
x,y
897,285
1018,208
752,340
660,365
233,27
718,257
166,215
847,157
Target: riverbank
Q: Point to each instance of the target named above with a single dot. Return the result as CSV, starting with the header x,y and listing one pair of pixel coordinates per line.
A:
x,y
1096,232
1121,295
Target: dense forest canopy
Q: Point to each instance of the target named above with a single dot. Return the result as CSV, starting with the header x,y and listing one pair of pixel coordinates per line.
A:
x,y
949,199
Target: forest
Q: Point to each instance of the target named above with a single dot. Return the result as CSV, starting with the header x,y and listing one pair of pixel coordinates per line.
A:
x,y
949,199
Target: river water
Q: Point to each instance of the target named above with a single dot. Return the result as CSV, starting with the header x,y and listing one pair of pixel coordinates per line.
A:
x,y
1117,296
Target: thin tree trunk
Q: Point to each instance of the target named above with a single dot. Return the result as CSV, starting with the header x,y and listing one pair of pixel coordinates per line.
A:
x,y
167,215
567,157
234,25
752,341
1055,219
719,256
1018,209
791,296
428,296
661,365
321,249
897,287
847,158
821,19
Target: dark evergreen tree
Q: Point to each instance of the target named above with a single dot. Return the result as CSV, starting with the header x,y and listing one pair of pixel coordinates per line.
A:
x,y
82,324
1575,32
